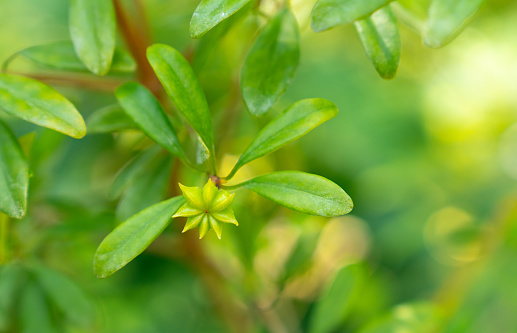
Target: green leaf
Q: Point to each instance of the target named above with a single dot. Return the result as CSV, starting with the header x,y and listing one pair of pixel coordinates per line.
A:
x,y
14,175
327,14
145,110
34,313
11,278
302,192
380,37
301,255
447,18
210,12
92,29
70,299
332,308
152,180
182,86
133,236
109,119
291,124
271,63
62,56
40,104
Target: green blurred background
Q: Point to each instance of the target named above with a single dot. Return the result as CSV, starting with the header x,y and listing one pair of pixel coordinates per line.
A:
x,y
429,158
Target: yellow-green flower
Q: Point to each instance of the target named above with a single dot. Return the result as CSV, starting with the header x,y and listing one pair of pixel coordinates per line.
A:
x,y
208,208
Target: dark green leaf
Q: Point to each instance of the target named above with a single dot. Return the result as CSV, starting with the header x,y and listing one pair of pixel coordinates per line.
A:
x,y
38,103
92,29
379,34
332,308
210,12
11,278
292,123
133,236
327,14
271,63
35,316
71,300
14,175
447,18
302,192
301,255
182,86
140,104
109,119
61,55
147,188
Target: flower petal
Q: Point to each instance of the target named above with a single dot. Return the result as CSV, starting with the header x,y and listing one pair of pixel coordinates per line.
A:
x,y
209,192
187,210
222,200
218,227
204,226
225,216
193,196
193,222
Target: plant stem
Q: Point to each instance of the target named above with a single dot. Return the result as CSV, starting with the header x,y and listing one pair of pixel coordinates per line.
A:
x,y
3,238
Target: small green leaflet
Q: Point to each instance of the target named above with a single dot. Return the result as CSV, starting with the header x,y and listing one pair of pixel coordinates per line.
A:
x,y
92,29
109,119
332,308
291,124
210,12
133,236
447,18
61,55
40,104
271,63
380,37
182,86
327,14
14,175
145,110
302,192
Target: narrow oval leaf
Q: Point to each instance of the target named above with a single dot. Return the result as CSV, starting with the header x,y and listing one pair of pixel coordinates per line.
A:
x,y
133,236
182,86
332,308
271,63
447,18
34,312
145,110
380,37
14,175
92,29
302,192
109,119
291,124
210,12
61,55
71,300
40,104
327,14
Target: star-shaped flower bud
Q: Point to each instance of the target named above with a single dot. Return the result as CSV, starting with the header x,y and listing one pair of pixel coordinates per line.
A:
x,y
207,208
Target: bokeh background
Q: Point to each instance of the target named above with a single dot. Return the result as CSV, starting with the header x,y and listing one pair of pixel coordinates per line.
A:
x,y
429,158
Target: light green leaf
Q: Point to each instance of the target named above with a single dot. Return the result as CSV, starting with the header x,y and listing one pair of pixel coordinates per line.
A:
x,y
71,300
291,124
447,18
133,236
145,110
182,86
210,12
109,119
332,308
92,29
327,14
271,63
380,37
40,104
302,192
34,313
14,175
61,55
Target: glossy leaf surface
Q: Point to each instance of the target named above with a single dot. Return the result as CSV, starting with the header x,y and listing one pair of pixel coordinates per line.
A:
x,y
182,86
109,119
291,124
271,63
40,104
92,29
327,14
14,175
380,37
210,12
302,192
133,236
